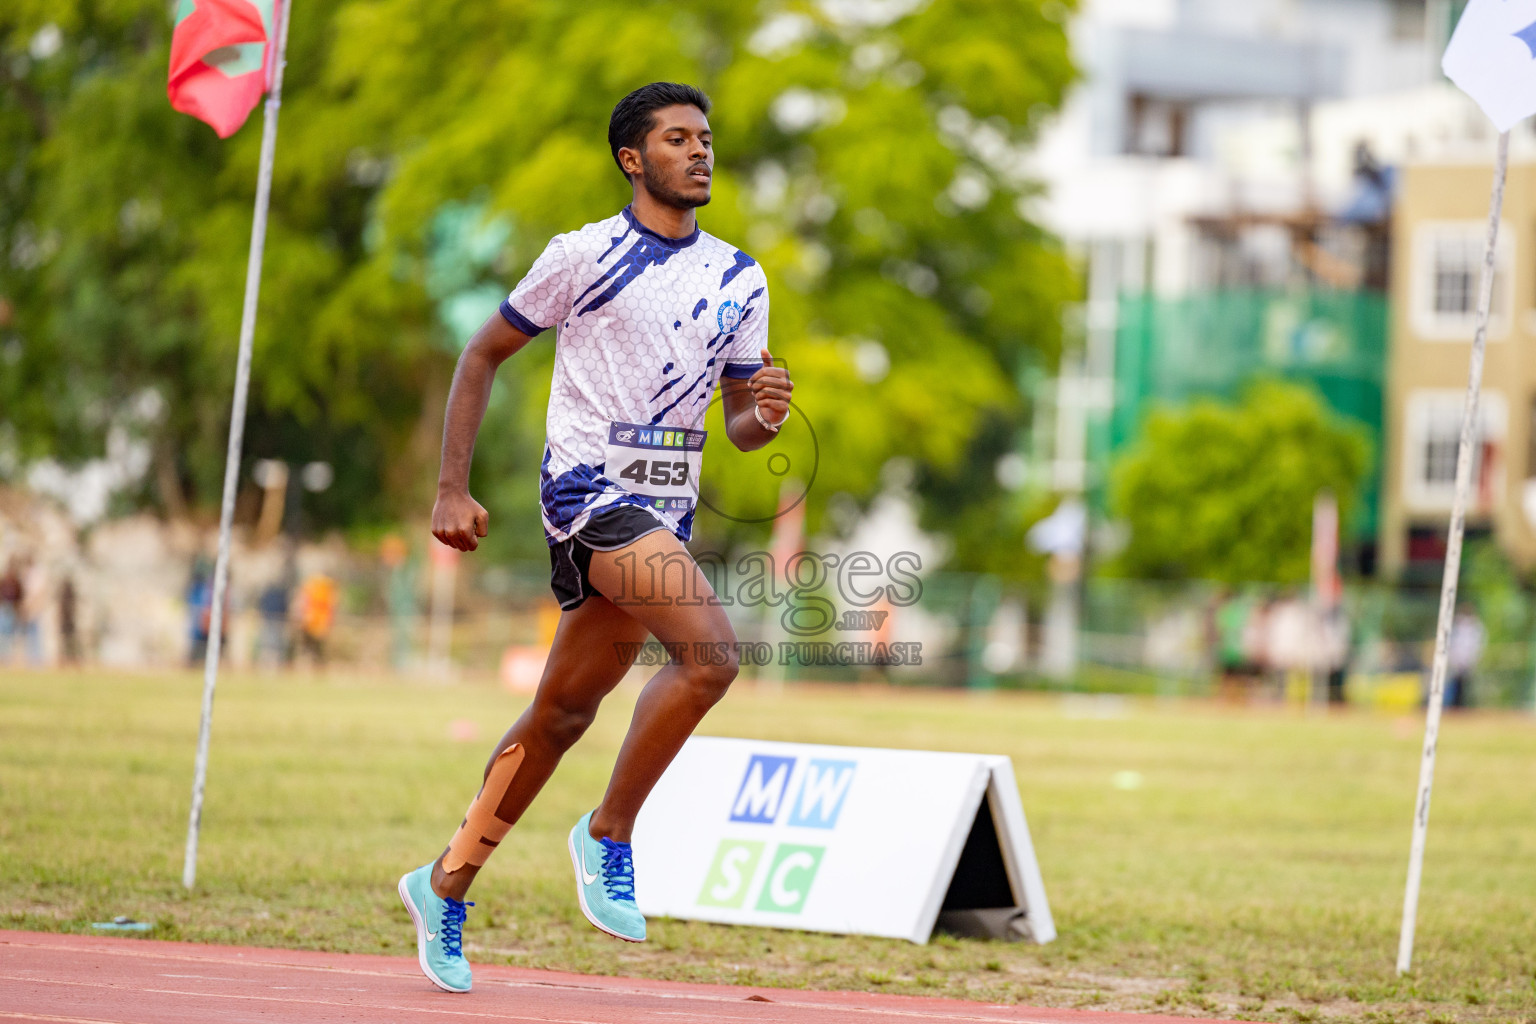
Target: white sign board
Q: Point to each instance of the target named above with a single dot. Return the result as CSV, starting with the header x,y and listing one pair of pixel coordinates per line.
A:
x,y
840,839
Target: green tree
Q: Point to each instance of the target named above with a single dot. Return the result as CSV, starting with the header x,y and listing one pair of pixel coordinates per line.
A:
x,y
871,162
126,226
1223,492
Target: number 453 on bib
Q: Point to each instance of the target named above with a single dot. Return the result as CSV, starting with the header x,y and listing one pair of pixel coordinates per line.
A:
x,y
661,464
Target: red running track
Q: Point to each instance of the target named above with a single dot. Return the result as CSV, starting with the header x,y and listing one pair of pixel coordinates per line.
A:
x,y
86,979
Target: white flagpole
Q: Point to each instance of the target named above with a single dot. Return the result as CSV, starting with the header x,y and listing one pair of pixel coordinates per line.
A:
x,y
236,434
1452,567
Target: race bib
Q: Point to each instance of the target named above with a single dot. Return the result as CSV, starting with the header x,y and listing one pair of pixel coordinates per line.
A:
x,y
661,464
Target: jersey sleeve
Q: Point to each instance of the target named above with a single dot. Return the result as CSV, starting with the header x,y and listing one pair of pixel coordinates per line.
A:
x,y
744,353
543,296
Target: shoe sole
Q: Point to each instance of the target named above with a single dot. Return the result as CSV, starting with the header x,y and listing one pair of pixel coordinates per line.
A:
x,y
421,938
581,892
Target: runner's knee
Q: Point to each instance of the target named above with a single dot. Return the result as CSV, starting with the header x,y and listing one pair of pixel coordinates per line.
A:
x,y
562,723
709,678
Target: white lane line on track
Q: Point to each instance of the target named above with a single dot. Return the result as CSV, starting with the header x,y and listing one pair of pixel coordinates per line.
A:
x,y
354,1006
778,999
408,969
999,1014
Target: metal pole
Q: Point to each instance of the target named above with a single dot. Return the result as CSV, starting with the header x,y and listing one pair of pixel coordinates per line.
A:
x,y
236,436
1452,567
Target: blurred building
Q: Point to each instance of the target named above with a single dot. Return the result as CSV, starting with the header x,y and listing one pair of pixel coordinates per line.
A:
x,y
1442,224
1226,172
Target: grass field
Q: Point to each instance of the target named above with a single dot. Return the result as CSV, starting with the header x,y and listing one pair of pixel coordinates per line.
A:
x,y
1256,872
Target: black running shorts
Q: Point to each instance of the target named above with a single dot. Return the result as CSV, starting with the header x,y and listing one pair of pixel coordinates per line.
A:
x,y
609,529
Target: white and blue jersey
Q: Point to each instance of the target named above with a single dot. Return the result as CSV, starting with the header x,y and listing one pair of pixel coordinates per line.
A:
x,y
646,327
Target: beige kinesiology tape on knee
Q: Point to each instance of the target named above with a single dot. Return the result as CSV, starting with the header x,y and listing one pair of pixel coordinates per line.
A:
x,y
481,829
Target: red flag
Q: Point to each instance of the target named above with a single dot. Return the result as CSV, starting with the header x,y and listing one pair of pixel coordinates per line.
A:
x,y
219,60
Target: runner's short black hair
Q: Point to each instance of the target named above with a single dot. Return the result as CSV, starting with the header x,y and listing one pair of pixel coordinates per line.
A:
x,y
635,115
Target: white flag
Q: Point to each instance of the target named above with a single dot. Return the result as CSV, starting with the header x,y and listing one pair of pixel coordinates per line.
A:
x,y
1492,58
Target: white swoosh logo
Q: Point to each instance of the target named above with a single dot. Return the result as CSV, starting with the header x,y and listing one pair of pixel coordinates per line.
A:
x,y
586,876
431,935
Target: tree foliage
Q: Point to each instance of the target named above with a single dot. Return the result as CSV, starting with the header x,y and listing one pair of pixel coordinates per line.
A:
x,y
1222,492
870,156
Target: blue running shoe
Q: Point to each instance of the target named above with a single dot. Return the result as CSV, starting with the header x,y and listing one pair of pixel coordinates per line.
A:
x,y
439,931
605,883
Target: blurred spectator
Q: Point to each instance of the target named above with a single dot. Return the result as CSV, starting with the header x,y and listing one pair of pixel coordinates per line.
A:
x,y
879,668
1335,655
10,606
1230,626
1371,190
69,632
273,647
34,595
1463,651
1256,641
200,610
1291,654
317,614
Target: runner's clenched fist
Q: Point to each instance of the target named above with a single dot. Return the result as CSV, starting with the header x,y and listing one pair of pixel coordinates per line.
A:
x,y
771,388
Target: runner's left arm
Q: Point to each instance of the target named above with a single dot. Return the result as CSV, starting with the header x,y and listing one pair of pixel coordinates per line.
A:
x,y
768,389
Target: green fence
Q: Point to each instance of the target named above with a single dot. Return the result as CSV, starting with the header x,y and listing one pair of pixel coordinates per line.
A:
x,y
1169,351
1169,632
978,631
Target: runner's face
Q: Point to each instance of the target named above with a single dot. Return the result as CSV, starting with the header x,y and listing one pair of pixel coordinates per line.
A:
x,y
678,159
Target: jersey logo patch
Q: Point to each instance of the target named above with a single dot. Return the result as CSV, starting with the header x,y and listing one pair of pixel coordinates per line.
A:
x,y
728,316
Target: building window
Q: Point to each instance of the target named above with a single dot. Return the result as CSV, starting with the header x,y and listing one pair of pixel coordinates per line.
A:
x,y
1442,439
1156,127
1432,437
1457,266
1448,267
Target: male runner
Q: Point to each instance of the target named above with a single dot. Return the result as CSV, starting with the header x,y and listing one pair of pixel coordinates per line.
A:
x,y
651,315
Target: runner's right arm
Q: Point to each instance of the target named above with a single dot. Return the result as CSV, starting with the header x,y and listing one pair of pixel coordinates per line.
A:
x,y
458,520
